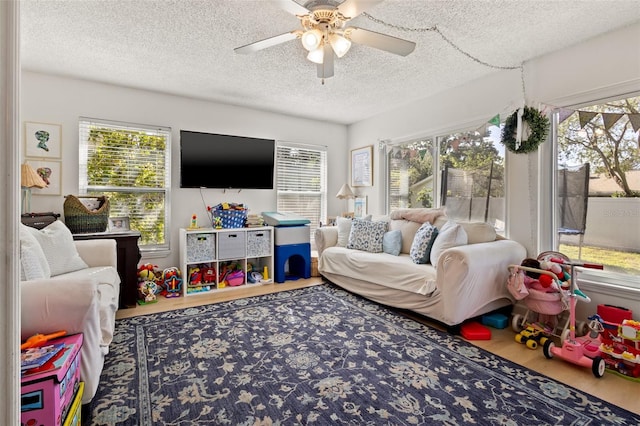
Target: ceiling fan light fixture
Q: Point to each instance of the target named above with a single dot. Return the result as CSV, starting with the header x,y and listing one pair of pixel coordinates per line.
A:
x,y
311,39
317,55
340,44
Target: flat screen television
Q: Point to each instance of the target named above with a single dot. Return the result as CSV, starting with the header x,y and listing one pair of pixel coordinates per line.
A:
x,y
209,160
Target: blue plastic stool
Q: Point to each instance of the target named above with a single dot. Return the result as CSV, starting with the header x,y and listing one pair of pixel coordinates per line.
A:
x,y
299,257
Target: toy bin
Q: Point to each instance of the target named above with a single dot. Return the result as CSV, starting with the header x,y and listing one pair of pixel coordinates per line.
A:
x,y
48,392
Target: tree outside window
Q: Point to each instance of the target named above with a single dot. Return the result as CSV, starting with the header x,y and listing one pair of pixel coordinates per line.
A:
x,y
130,164
606,137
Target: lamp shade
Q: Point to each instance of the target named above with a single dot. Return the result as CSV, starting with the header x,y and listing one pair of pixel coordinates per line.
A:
x,y
345,192
339,44
29,178
311,39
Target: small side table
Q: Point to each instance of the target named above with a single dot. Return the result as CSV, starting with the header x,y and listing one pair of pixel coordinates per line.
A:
x,y
128,258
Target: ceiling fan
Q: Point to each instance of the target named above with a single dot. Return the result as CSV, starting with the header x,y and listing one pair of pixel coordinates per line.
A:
x,y
324,32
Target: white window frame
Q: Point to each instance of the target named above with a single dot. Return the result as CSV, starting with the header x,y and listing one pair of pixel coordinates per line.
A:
x,y
286,195
150,250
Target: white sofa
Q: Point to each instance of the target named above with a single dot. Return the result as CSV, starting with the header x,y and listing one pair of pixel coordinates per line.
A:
x,y
468,277
82,300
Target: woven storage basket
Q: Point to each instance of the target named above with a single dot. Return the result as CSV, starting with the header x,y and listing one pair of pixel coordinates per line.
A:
x,y
80,220
231,218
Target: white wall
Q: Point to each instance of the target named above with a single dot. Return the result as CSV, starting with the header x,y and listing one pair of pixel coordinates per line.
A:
x,y
52,99
605,66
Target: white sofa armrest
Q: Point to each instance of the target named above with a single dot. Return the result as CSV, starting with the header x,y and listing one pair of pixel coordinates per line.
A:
x,y
70,304
59,303
325,237
98,252
473,275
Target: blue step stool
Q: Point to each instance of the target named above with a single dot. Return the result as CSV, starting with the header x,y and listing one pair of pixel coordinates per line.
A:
x,y
299,257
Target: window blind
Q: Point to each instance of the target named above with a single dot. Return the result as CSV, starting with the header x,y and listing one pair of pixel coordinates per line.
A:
x,y
130,163
302,181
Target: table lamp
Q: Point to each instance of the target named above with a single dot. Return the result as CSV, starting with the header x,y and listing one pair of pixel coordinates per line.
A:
x,y
29,178
345,193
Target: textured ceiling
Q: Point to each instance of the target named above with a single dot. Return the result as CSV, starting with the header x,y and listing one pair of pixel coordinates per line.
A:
x,y
186,48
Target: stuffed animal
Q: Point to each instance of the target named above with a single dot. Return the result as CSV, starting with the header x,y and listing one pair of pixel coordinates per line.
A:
x,y
172,281
556,266
535,280
148,291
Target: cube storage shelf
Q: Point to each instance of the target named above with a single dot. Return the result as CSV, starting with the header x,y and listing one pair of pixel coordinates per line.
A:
x,y
207,253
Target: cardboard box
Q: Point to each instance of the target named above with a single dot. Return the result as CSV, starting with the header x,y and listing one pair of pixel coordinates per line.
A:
x,y
47,393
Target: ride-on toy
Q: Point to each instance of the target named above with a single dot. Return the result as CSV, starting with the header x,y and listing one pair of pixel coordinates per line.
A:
x,y
575,349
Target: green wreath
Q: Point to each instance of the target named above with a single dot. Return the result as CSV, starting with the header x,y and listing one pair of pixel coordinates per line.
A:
x,y
538,123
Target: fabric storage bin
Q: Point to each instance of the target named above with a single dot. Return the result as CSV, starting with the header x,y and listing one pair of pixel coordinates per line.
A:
x,y
258,243
80,220
230,218
231,245
201,247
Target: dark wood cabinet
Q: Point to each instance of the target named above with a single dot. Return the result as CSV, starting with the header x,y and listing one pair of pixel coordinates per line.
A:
x,y
128,258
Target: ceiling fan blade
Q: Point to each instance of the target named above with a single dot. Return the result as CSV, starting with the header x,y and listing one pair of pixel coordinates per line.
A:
x,y
325,69
352,8
267,42
380,41
292,7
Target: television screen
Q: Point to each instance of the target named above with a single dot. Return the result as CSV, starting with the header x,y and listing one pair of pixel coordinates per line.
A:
x,y
209,160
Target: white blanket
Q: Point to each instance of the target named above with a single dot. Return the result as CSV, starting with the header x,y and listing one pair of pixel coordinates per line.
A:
x,y
398,272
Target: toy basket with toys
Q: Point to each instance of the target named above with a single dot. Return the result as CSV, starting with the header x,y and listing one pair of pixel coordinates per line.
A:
x,y
228,215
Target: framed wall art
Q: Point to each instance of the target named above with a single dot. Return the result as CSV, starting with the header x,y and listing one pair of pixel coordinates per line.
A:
x,y
360,207
42,140
51,173
362,166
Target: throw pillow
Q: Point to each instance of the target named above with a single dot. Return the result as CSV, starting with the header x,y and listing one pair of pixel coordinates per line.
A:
x,y
33,263
344,228
366,235
422,242
57,244
451,235
392,242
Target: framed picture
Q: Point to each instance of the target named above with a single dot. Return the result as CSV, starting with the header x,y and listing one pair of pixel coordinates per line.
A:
x,y
119,224
360,206
362,166
42,140
51,173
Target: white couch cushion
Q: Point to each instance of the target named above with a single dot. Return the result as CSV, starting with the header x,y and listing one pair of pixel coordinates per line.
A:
x,y
451,235
33,262
387,270
57,244
408,229
478,232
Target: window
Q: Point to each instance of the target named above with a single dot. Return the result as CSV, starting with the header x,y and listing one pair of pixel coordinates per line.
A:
x,y
302,181
601,227
130,164
463,171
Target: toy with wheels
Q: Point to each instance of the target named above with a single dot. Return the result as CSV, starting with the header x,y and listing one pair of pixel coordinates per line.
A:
x,y
545,295
532,336
573,349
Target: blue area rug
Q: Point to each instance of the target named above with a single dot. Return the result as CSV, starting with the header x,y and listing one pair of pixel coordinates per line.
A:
x,y
320,356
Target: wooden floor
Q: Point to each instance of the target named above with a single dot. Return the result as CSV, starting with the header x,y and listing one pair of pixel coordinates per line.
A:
x,y
612,388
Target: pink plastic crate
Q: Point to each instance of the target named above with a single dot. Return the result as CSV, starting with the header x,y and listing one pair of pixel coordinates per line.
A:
x,y
47,393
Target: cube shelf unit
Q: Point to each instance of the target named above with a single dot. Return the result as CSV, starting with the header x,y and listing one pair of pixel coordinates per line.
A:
x,y
212,250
